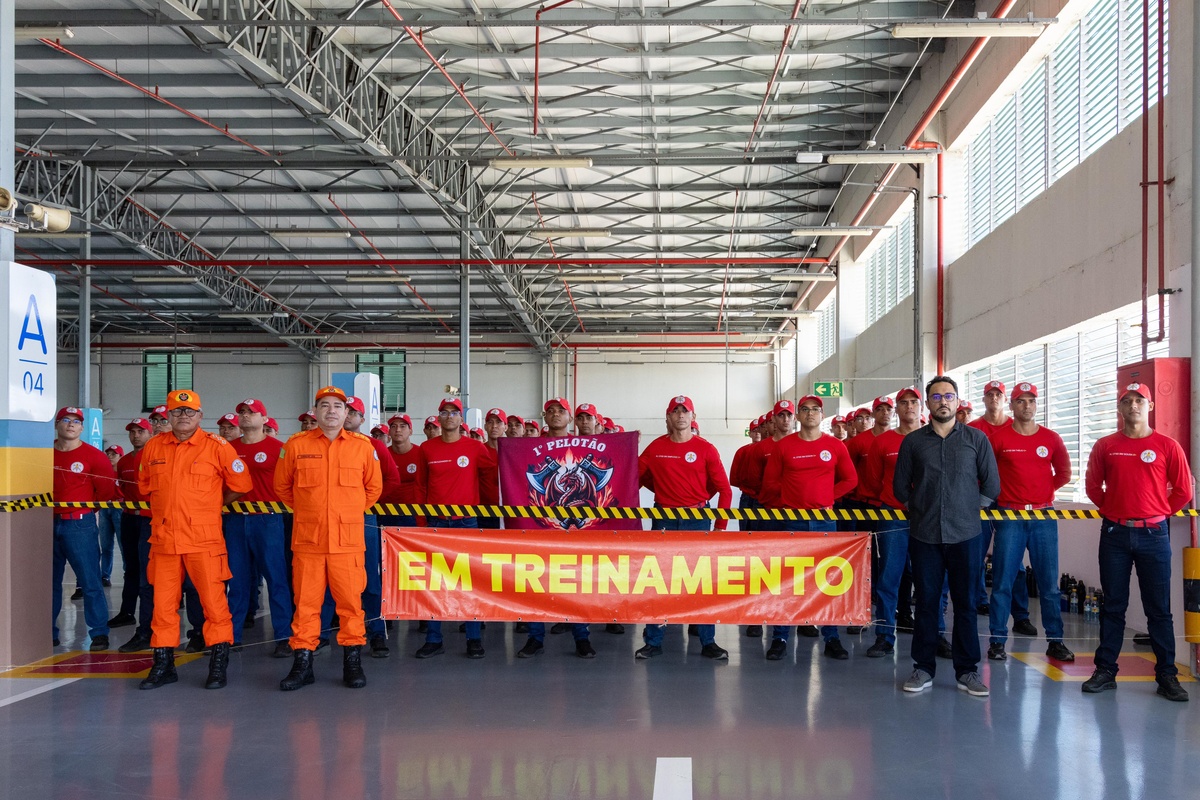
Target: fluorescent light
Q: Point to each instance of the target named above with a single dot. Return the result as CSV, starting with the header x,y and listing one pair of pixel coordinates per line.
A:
x,y
621,336
782,313
836,230
973,29
593,278
881,157
378,279
456,336
403,315
535,162
324,234
301,336
604,314
36,233
562,233
163,279
46,32
805,276
251,314
809,157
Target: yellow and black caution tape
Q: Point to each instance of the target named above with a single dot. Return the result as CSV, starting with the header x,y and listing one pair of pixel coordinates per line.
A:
x,y
578,512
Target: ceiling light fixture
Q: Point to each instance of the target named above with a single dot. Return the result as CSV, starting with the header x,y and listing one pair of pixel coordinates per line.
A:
x,y
809,157
604,314
44,32
785,313
564,233
805,276
837,230
535,162
251,314
881,157
973,29
308,234
593,278
378,278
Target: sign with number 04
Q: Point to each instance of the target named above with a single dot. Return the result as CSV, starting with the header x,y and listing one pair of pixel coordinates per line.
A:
x,y
28,353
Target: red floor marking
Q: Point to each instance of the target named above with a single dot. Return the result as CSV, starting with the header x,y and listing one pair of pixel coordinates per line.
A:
x,y
93,665
1135,666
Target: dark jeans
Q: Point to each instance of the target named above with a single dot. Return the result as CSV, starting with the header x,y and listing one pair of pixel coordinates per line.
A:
x,y
932,565
1122,549
653,634
131,582
803,526
254,544
77,543
433,630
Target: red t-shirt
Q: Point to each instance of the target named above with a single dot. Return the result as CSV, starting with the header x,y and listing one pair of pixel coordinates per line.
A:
x,y
411,466
459,473
684,474
82,475
738,466
1138,478
752,468
1032,468
880,467
127,480
858,446
804,474
387,468
989,430
260,458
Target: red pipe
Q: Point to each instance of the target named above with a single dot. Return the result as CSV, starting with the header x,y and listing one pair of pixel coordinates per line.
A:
x,y
457,87
537,58
787,35
341,263
154,95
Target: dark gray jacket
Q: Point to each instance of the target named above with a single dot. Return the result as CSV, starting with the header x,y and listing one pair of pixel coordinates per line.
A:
x,y
944,482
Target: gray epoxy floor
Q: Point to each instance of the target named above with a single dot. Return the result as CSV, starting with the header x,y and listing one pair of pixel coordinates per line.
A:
x,y
560,727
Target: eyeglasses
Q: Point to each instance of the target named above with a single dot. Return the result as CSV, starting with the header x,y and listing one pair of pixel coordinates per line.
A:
x,y
450,413
943,398
183,412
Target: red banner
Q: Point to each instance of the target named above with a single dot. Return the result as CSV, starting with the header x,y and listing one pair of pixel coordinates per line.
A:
x,y
581,471
627,576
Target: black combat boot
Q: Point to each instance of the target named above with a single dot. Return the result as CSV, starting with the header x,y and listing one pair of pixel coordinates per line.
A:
x,y
163,671
302,671
218,666
352,671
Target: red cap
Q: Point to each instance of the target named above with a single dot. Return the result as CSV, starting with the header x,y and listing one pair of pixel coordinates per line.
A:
x,y
254,405
589,409
819,401
858,412
680,400
380,429
908,390
608,423
159,411
782,406
1024,388
993,386
620,429
356,403
763,419
532,423
463,427
965,405
498,413
144,424
754,423
183,398
695,426
272,424
329,391
431,421
68,411
453,402
518,419
406,419
115,448
560,400
1136,388
229,419
480,432
838,420
307,415
882,401
545,429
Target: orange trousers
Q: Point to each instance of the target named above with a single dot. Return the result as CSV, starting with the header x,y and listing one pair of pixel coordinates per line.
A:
x,y
346,576
208,572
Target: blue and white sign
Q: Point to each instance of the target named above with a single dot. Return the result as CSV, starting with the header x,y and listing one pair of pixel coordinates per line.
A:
x,y
93,427
366,386
28,351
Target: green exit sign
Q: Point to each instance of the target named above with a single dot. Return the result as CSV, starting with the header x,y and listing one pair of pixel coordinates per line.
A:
x,y
828,389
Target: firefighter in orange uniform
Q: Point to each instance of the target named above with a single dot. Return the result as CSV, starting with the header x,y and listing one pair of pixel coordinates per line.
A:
x,y
330,478
189,475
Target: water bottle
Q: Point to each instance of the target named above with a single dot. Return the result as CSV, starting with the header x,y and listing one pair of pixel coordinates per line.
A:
x,y
1074,606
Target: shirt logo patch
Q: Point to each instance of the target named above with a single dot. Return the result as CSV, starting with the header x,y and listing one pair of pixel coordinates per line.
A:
x,y
690,458
1149,456
463,461
826,455
237,466
1043,451
184,396
411,468
77,467
260,458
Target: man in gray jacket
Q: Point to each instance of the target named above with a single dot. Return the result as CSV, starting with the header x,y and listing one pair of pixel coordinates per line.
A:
x,y
945,472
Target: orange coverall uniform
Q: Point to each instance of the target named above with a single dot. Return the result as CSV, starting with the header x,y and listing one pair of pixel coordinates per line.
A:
x,y
186,483
329,485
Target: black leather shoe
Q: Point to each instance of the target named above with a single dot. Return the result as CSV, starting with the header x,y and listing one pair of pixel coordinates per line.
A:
x,y
560,627
532,648
614,627
301,674
352,671
983,609
1024,628
99,643
1101,681
1059,652
163,670
195,644
379,647
521,627
218,667
137,643
1141,639
584,649
121,620
714,651
944,649
474,648
422,626
777,650
648,651
835,650
431,649
77,594
106,583
1168,687
808,630
282,650
693,630
904,622
996,652
322,644
881,649
754,631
